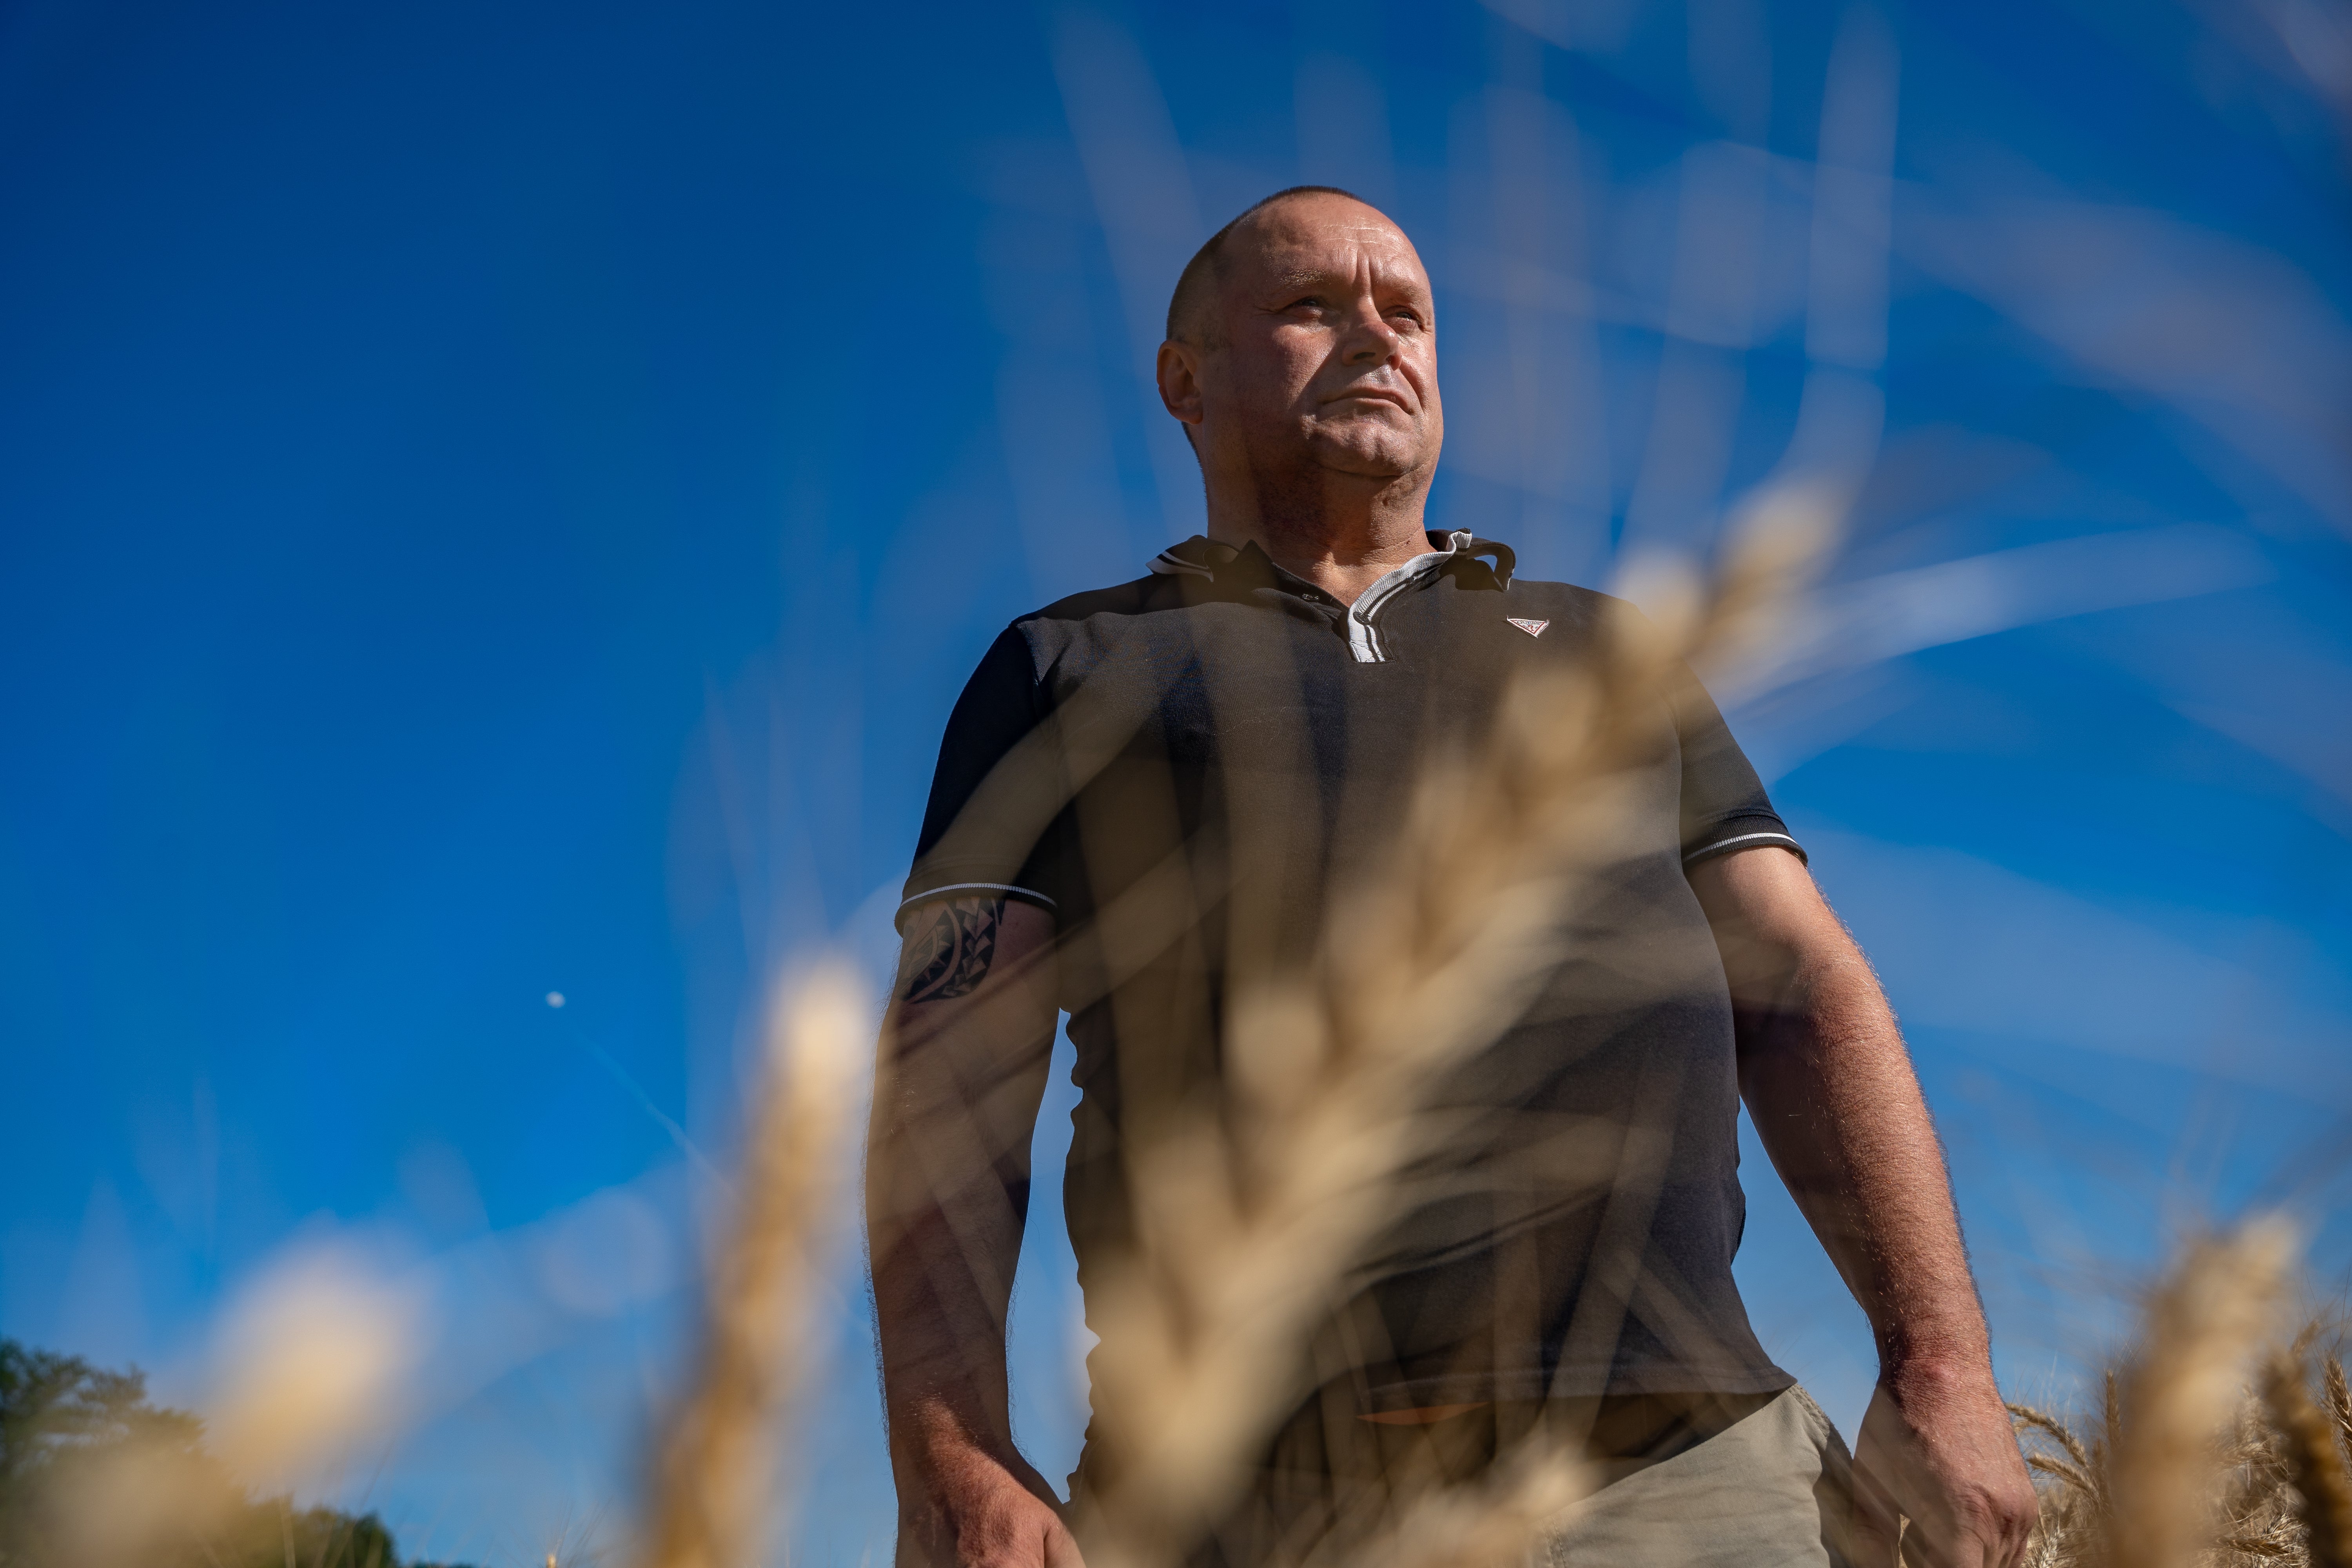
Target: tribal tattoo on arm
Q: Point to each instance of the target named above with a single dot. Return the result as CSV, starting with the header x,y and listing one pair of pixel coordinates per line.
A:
x,y
950,957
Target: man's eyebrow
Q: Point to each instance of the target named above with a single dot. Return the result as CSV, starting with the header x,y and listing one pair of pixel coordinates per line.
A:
x,y
1302,277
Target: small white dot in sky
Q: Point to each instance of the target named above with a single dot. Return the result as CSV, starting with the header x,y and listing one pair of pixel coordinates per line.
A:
x,y
555,998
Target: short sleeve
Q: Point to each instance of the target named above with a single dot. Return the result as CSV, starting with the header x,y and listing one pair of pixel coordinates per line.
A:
x,y
1724,806
983,831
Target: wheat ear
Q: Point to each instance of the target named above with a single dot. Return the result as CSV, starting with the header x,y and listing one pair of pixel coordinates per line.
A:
x,y
2183,1386
2340,1401
1248,1213
715,1464
2315,1465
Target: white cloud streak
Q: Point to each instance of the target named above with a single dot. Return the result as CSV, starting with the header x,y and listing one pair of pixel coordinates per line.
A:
x,y
1142,191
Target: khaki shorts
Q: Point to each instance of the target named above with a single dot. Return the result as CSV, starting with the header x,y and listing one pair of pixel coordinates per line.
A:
x,y
1714,1481
1773,1489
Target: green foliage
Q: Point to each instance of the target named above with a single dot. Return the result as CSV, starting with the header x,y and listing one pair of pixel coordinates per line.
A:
x,y
92,1475
333,1540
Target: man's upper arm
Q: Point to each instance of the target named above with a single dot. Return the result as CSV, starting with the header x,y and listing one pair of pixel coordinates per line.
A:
x,y
953,945
972,1012
1749,871
964,1055
1767,915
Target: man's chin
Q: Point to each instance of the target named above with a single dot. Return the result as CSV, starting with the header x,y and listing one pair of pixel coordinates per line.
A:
x,y
1370,455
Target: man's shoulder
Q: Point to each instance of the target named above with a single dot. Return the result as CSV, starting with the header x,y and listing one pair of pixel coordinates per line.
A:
x,y
1097,613
1182,576
1040,640
1137,596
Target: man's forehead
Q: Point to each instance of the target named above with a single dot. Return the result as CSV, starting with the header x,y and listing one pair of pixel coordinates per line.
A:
x,y
1313,237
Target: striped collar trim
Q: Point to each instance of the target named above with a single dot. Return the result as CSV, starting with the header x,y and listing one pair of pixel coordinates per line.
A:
x,y
1200,556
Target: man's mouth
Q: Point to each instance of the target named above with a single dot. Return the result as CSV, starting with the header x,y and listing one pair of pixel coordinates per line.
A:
x,y
1371,394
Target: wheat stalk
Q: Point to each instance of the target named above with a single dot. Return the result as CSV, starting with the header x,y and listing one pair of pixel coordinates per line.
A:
x,y
2275,1462
2313,1463
2340,1401
1251,1209
714,1462
2183,1388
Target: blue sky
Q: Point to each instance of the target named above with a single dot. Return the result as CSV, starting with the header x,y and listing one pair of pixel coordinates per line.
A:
x,y
495,501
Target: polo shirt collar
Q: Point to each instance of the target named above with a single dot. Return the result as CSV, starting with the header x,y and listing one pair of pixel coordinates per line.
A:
x,y
1200,556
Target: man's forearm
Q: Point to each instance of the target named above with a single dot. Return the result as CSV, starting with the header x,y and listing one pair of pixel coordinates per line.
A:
x,y
942,1275
1838,1108
1835,1101
963,1061
940,1292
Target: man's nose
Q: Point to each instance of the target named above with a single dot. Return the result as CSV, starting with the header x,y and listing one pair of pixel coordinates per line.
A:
x,y
1370,340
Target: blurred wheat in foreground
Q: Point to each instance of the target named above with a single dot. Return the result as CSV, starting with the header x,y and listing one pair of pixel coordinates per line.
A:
x,y
2217,1445
2221,1442
1251,1206
710,1507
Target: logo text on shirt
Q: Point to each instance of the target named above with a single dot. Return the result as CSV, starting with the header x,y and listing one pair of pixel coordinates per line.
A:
x,y
1533,628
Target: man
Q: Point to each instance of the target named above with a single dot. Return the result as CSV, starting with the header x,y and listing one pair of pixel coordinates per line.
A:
x,y
1223,741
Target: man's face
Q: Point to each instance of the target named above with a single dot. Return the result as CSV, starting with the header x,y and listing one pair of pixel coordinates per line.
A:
x,y
1324,346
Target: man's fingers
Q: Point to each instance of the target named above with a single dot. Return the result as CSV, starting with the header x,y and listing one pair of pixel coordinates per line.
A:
x,y
1951,1545
1915,1553
1878,1524
1873,1540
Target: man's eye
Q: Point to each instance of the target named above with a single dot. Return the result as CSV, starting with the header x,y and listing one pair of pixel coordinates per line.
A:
x,y
1312,302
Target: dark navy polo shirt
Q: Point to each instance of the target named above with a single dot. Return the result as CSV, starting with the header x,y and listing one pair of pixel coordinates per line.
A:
x,y
1185,770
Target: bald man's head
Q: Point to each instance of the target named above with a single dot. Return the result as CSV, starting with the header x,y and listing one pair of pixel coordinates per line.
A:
x,y
1190,318
1302,341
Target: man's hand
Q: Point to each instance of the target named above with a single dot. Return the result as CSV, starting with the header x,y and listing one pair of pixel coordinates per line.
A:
x,y
984,1513
1936,1449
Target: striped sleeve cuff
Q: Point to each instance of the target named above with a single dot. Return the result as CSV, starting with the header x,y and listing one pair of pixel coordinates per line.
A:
x,y
1773,838
971,891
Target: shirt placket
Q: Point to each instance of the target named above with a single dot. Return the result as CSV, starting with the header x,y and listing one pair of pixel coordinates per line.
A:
x,y
1364,639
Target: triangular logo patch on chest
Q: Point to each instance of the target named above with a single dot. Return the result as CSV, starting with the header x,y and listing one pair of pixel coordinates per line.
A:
x,y
1533,628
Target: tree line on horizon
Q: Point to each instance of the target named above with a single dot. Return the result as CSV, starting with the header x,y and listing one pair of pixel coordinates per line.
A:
x,y
93,1474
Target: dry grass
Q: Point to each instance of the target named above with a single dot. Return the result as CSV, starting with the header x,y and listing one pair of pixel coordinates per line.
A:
x,y
2218,1445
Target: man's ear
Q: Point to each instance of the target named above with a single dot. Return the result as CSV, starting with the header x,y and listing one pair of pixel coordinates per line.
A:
x,y
1179,380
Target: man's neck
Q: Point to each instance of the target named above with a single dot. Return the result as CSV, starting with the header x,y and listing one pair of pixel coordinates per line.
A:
x,y
1341,542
